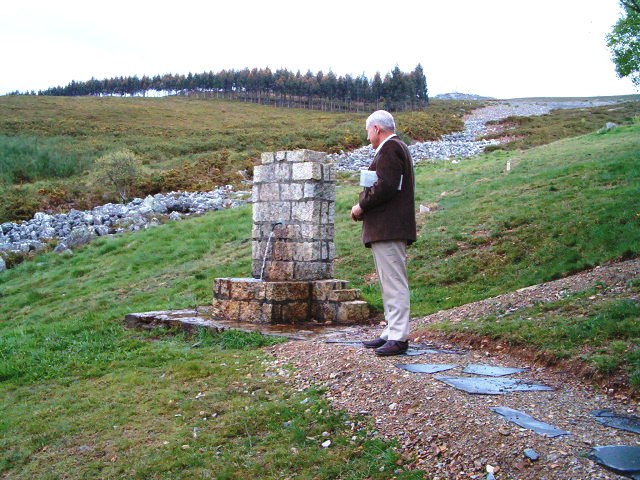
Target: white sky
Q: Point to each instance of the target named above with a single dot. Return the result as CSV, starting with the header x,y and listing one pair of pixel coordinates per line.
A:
x,y
498,48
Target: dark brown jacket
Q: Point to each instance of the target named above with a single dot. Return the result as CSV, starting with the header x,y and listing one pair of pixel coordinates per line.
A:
x,y
389,213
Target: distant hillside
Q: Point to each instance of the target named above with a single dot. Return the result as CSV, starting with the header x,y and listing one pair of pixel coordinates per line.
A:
x,y
461,96
48,145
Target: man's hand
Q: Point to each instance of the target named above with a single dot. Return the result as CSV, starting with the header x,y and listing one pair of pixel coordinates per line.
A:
x,y
356,213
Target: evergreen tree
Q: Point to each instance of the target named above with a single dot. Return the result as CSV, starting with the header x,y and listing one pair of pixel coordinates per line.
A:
x,y
377,89
420,86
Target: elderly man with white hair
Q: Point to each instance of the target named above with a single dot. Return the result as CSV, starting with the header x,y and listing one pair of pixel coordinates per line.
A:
x,y
387,211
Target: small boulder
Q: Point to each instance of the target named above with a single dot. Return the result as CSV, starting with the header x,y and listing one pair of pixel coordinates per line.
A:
x,y
79,236
608,126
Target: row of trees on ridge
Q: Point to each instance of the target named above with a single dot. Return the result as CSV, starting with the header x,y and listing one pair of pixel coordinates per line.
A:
x,y
396,91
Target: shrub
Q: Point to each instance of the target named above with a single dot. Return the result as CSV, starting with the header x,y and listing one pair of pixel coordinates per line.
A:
x,y
428,126
207,172
120,169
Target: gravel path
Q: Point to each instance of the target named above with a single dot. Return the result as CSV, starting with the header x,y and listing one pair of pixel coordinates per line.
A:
x,y
452,434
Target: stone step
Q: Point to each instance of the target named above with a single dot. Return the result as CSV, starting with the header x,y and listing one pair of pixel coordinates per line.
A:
x,y
352,312
188,320
344,295
323,288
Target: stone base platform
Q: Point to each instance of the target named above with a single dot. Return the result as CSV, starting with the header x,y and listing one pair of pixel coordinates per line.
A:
x,y
287,302
192,320
188,320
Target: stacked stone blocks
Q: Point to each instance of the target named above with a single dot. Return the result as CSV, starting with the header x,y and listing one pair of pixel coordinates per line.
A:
x,y
292,249
288,302
293,214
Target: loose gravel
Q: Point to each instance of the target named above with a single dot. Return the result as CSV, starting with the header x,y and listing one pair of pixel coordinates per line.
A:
x,y
451,434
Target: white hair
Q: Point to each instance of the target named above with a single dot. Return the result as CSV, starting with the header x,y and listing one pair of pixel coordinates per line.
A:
x,y
383,119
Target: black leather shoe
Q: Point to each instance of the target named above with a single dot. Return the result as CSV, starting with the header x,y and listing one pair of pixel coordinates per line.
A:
x,y
392,347
378,342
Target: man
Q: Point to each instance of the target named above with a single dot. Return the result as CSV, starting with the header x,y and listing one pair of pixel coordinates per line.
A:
x,y
387,211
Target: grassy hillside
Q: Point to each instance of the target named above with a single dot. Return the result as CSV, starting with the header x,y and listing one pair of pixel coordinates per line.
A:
x,y
48,145
560,209
528,132
84,398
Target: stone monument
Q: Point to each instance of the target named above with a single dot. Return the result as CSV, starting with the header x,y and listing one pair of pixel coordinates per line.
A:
x,y
292,249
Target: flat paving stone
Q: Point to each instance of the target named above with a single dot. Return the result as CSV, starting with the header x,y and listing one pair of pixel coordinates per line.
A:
x,y
425,367
191,320
528,422
611,419
491,385
621,459
491,370
431,351
346,343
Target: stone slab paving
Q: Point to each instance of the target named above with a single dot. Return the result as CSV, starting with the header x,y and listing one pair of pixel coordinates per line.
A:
x,y
528,422
449,433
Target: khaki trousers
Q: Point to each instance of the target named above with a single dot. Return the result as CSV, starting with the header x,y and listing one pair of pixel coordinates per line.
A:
x,y
390,259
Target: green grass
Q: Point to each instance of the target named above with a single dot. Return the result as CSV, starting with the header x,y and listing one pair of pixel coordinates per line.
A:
x,y
82,397
528,132
180,412
561,209
604,333
27,159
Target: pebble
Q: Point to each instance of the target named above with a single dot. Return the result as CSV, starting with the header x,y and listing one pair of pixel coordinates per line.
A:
x,y
531,454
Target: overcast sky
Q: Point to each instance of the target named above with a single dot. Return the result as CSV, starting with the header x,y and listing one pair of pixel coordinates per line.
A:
x,y
498,48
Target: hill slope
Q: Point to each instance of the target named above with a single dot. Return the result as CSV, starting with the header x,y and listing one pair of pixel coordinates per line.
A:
x,y
83,396
48,145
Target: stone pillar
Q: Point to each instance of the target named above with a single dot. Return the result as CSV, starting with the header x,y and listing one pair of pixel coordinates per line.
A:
x,y
293,217
292,249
